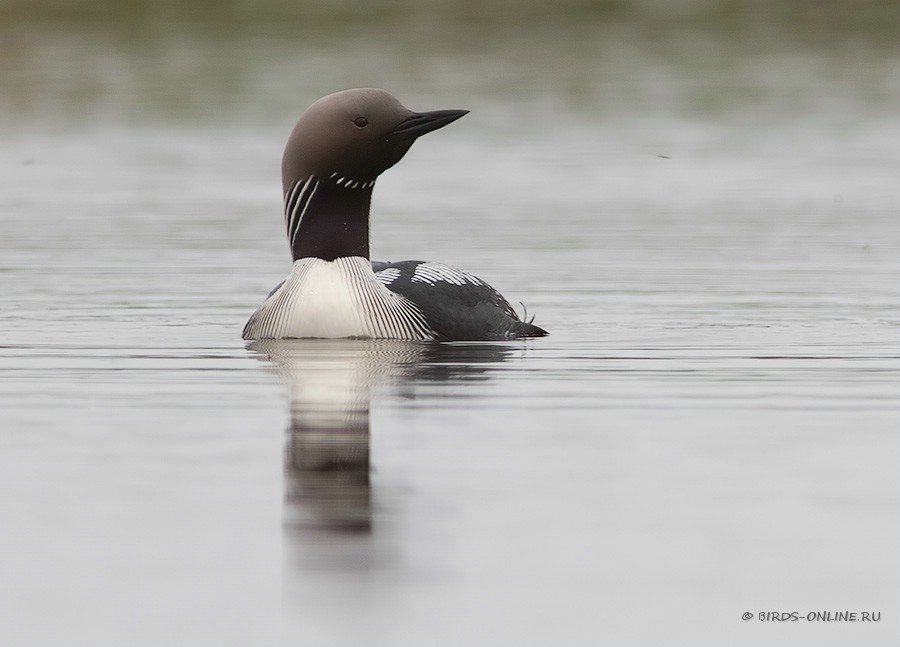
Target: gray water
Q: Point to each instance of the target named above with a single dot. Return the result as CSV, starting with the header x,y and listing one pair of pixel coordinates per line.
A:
x,y
705,216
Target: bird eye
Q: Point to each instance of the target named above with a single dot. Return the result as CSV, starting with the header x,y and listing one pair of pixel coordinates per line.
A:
x,y
361,122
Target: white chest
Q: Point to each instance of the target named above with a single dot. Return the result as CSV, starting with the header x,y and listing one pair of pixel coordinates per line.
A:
x,y
334,299
324,302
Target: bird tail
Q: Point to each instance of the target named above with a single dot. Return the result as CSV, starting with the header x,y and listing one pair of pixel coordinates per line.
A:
x,y
519,329
524,327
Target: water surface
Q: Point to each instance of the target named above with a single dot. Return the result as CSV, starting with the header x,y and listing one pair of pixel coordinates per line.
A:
x,y
705,220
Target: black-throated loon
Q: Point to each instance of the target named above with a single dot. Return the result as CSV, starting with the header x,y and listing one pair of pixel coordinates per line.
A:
x,y
338,148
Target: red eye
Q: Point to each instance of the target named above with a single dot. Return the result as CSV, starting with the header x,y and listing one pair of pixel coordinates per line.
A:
x,y
361,122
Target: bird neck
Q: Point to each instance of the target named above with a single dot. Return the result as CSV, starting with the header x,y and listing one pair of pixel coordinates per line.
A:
x,y
327,220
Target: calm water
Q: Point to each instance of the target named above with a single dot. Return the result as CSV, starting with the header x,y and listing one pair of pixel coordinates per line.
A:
x,y
706,222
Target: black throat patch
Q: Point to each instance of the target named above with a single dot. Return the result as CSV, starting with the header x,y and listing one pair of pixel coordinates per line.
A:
x,y
327,221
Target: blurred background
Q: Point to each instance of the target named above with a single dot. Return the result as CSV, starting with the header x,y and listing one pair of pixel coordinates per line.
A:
x,y
220,63
791,105
699,199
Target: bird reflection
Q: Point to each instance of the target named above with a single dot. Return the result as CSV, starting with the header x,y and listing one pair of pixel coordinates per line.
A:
x,y
327,464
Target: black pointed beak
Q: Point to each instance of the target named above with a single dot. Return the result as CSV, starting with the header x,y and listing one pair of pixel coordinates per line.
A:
x,y
419,123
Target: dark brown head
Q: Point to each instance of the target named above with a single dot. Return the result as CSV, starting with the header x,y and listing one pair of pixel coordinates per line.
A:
x,y
351,137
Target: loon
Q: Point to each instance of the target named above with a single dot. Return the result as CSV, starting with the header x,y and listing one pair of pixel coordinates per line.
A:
x,y
339,147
